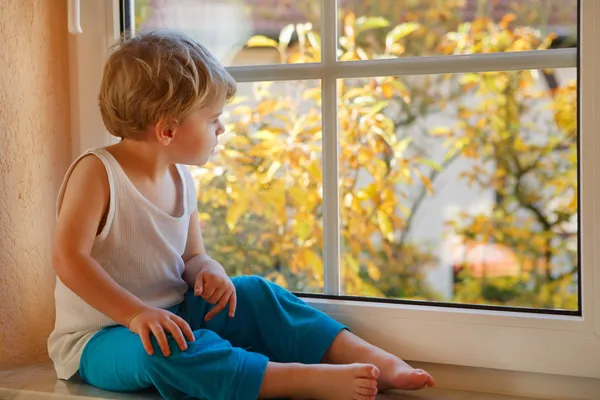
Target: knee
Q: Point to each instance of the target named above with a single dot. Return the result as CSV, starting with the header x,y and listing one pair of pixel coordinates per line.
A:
x,y
252,286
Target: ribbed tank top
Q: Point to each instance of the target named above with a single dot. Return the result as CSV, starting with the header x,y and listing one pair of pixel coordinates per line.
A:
x,y
140,247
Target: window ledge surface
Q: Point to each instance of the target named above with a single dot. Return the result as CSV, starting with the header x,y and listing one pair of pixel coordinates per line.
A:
x,y
39,381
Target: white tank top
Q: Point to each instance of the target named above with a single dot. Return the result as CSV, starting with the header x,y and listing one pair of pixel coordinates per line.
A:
x,y
141,248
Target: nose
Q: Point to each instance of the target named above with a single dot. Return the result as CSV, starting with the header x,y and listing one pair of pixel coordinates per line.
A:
x,y
220,129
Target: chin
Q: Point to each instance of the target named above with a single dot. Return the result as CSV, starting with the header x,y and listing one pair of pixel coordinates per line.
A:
x,y
200,161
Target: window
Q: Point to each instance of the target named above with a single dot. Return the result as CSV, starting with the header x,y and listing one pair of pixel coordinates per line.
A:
x,y
453,185
421,166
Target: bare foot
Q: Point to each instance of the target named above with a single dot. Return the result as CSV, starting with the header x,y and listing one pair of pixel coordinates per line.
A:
x,y
400,375
320,381
344,382
395,374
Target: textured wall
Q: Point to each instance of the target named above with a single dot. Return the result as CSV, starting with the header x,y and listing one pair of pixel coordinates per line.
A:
x,y
34,154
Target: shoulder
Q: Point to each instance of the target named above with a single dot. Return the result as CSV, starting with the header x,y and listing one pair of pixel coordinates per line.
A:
x,y
86,183
90,171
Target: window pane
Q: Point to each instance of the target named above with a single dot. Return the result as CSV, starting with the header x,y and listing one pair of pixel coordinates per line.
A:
x,y
461,188
241,32
399,28
260,198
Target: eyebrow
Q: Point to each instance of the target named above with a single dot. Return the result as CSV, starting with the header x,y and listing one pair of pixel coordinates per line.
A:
x,y
216,114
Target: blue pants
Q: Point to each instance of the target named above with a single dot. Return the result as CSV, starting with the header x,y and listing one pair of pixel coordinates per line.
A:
x,y
229,356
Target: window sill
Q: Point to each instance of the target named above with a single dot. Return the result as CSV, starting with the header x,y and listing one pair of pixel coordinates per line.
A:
x,y
39,381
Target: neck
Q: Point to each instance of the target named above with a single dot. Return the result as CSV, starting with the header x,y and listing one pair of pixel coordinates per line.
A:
x,y
145,157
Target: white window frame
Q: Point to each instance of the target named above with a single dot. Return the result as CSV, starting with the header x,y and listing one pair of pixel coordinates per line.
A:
x,y
563,346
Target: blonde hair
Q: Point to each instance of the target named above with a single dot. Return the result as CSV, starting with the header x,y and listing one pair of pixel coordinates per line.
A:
x,y
158,76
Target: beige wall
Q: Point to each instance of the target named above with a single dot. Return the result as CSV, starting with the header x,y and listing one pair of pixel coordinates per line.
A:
x,y
34,153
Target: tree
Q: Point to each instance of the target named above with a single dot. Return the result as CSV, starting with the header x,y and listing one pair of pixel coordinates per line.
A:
x,y
262,198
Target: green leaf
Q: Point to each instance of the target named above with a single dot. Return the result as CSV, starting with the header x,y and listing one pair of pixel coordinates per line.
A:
x,y
261,41
366,23
400,31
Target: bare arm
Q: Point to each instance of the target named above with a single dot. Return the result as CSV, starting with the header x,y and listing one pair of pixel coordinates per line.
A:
x,y
84,204
206,276
195,256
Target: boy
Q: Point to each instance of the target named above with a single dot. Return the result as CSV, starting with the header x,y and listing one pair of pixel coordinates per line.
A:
x,y
139,302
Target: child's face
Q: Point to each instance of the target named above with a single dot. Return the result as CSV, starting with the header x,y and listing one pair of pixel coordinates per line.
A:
x,y
197,135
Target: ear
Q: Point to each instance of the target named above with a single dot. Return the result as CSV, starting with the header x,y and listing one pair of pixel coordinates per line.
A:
x,y
165,131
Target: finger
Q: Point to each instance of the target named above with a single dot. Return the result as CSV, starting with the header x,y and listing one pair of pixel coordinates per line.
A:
x,y
232,303
185,328
199,285
217,295
174,329
218,308
159,334
209,290
145,337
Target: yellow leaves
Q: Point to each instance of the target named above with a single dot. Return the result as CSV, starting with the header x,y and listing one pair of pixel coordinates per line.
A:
x,y
368,23
440,131
519,145
303,227
506,20
263,196
313,261
388,90
271,171
261,41
401,147
350,262
385,225
399,32
236,210
426,181
373,270
267,107
312,94
402,89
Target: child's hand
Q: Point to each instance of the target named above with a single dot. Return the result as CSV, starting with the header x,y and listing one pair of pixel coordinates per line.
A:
x,y
213,284
157,320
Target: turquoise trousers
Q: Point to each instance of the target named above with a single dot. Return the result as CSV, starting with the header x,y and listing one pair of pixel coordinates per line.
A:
x,y
229,356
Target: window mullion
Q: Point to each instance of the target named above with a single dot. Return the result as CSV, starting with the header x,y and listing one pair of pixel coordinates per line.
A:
x,y
331,211
429,65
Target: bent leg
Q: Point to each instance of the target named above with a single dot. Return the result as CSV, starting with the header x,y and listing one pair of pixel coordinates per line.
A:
x,y
210,368
269,320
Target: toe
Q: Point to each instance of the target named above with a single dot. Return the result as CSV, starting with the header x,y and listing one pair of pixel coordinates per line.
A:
x,y
366,383
429,379
366,391
368,371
